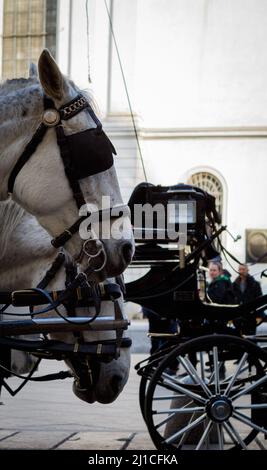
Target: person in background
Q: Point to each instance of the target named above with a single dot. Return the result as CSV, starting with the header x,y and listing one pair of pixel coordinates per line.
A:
x,y
246,289
158,324
227,273
220,289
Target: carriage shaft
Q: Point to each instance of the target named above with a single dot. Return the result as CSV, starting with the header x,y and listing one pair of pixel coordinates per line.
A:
x,y
53,325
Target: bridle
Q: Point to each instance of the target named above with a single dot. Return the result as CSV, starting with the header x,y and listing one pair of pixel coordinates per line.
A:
x,y
93,151
74,147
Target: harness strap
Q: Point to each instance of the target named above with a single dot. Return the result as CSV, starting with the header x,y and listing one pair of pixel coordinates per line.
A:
x,y
51,272
61,239
30,147
108,347
28,297
65,155
26,155
103,351
71,273
73,107
100,215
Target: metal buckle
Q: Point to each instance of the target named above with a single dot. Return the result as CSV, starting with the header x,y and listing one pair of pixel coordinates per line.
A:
x,y
18,292
91,256
101,286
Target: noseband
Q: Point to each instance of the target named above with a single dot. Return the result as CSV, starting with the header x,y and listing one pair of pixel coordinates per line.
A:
x,y
83,154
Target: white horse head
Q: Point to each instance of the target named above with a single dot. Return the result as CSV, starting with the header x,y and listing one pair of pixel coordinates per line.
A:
x,y
41,186
25,256
42,189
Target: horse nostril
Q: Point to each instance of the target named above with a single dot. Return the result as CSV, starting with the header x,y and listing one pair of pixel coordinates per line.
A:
x,y
127,252
116,383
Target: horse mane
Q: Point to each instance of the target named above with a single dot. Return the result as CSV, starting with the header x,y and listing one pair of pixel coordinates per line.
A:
x,y
8,89
16,84
10,216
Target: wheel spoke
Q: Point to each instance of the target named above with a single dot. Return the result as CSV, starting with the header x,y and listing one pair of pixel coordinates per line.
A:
x,y
202,365
167,397
190,426
185,435
196,409
249,388
187,364
164,421
237,372
211,378
234,434
229,432
256,406
179,388
216,370
246,420
229,377
213,374
204,435
187,369
220,435
260,444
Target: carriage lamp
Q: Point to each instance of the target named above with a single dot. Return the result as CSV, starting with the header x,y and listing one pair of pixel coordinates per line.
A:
x,y
167,213
182,211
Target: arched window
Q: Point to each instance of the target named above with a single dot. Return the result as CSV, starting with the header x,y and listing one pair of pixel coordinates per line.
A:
x,y
211,184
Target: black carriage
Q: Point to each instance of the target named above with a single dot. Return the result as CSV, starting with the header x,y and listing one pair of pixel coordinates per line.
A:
x,y
220,380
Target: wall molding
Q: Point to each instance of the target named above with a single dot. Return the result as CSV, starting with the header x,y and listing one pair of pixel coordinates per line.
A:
x,y
203,132
120,125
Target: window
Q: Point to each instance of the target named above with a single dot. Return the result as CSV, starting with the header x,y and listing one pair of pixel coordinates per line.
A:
x,y
28,27
211,184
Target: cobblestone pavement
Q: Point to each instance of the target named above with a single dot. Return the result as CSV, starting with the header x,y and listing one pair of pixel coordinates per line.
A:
x,y
49,416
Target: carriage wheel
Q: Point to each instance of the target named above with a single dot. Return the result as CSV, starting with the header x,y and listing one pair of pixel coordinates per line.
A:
x,y
142,391
147,373
207,407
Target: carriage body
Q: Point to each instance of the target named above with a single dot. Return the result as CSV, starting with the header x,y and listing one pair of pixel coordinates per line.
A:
x,y
207,347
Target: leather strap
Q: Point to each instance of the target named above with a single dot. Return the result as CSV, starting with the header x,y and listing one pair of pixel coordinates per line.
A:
x,y
99,349
62,239
26,155
52,271
73,107
27,297
65,155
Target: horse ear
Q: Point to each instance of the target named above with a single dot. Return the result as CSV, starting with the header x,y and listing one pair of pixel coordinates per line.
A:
x,y
33,72
50,76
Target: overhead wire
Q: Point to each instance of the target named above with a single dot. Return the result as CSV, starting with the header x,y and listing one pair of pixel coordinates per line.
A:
x,y
88,41
126,89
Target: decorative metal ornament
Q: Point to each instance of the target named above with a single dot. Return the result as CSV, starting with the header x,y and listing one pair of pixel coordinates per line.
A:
x,y
51,117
